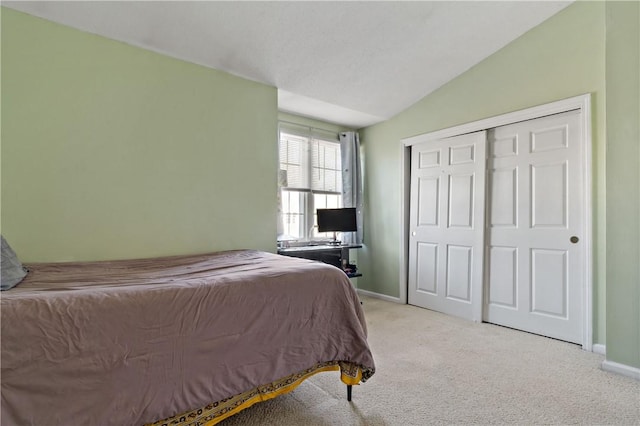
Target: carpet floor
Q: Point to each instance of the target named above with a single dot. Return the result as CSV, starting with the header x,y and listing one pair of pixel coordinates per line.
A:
x,y
436,369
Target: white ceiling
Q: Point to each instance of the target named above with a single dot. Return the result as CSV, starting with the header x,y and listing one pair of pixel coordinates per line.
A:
x,y
353,63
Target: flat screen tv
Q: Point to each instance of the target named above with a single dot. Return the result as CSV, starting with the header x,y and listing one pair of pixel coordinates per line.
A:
x,y
337,220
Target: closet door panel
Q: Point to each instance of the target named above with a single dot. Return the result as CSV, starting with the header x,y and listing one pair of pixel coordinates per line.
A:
x,y
447,225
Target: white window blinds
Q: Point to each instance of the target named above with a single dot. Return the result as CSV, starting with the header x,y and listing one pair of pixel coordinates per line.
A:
x,y
310,159
294,160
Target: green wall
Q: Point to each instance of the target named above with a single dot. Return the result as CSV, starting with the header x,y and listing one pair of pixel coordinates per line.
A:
x,y
111,151
561,58
623,181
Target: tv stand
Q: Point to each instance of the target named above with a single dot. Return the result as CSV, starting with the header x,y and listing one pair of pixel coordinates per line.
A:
x,y
333,254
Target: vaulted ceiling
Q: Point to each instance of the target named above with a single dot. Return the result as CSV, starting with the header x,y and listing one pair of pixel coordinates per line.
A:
x,y
353,63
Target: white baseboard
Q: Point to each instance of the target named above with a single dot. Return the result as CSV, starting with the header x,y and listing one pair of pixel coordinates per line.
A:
x,y
378,296
599,349
623,369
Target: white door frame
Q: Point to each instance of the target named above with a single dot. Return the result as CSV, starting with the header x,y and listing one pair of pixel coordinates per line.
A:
x,y
582,103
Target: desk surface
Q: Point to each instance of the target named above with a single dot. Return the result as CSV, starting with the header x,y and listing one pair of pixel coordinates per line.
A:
x,y
319,247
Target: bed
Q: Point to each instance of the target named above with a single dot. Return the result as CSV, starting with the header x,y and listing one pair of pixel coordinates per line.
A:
x,y
183,340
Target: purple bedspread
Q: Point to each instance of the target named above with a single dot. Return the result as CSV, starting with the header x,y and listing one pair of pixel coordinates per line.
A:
x,y
135,341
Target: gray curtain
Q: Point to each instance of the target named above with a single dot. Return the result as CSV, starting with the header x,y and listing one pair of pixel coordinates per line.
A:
x,y
282,182
352,182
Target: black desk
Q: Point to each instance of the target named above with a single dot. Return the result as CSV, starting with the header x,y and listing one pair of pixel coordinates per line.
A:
x,y
336,255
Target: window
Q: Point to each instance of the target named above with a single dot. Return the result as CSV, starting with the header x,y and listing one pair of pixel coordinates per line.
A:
x,y
310,178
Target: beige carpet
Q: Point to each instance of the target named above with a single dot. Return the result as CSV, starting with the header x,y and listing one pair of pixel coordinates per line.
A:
x,y
437,369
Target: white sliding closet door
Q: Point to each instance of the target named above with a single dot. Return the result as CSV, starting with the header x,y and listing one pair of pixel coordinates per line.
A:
x,y
534,243
447,224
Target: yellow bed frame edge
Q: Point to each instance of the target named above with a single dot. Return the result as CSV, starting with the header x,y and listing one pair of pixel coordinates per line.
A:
x,y
350,374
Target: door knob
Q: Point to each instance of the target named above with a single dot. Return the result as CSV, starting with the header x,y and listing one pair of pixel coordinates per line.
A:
x,y
574,239
413,234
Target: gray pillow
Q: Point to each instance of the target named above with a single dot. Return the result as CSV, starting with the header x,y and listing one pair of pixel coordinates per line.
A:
x,y
12,270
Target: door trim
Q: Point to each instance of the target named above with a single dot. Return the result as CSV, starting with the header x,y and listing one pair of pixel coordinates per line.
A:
x,y
582,103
